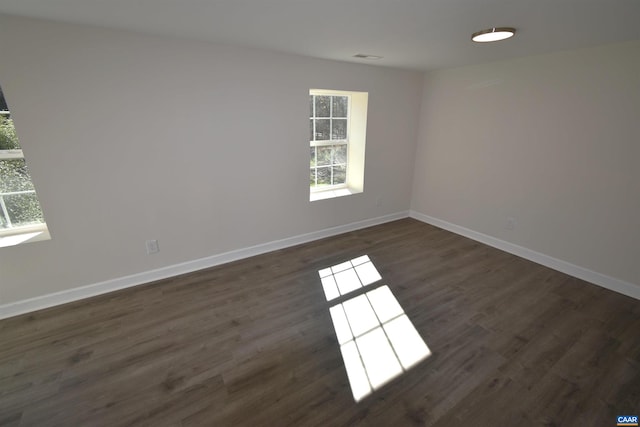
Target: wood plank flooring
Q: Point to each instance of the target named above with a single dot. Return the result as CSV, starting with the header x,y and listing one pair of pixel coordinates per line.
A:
x,y
251,343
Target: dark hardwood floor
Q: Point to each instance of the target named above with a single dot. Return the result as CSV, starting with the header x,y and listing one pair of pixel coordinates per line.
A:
x,y
251,343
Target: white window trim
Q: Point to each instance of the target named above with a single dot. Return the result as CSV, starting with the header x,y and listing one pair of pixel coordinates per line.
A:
x,y
26,234
356,141
330,142
11,154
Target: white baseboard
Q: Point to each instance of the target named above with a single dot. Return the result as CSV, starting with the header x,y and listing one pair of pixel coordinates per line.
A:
x,y
63,297
599,279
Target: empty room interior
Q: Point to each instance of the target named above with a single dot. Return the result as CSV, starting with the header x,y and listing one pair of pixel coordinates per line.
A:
x,y
464,251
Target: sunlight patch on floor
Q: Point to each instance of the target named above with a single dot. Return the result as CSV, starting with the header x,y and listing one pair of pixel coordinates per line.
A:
x,y
347,277
377,340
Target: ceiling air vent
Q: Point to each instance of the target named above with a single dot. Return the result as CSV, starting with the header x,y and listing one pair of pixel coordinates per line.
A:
x,y
370,57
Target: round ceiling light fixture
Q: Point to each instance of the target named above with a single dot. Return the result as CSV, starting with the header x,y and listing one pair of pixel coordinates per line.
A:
x,y
493,34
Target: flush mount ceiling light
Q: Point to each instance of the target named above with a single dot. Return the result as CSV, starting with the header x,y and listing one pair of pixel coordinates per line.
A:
x,y
493,34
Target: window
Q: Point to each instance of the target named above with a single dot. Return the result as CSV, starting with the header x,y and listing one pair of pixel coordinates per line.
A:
x,y
329,127
337,124
21,217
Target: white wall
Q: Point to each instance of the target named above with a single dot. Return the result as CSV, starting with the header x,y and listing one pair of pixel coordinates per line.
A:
x,y
552,141
204,147
201,146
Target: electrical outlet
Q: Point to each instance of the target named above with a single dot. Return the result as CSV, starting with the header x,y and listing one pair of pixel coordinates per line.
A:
x,y
511,223
152,247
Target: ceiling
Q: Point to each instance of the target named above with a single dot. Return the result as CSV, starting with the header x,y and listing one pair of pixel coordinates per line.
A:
x,y
411,34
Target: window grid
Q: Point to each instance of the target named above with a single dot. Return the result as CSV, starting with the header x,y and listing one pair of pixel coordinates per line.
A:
x,y
334,164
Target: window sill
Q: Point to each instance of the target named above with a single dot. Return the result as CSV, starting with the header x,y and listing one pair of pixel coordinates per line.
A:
x,y
330,194
26,235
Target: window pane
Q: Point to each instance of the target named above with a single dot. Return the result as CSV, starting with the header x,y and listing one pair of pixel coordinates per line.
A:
x,y
8,137
323,107
340,154
339,175
340,106
310,105
3,102
23,209
3,220
311,130
324,155
312,178
339,130
312,161
324,175
19,204
322,129
14,176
